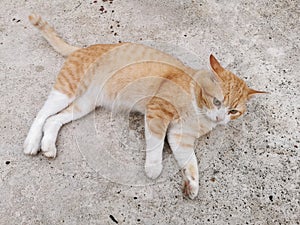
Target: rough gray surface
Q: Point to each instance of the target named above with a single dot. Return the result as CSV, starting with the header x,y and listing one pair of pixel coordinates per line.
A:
x,y
249,170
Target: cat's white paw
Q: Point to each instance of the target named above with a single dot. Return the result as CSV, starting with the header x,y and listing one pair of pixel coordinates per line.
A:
x,y
32,143
190,188
48,148
153,170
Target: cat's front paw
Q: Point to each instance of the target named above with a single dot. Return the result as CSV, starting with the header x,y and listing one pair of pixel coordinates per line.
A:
x,y
32,144
190,188
48,148
153,170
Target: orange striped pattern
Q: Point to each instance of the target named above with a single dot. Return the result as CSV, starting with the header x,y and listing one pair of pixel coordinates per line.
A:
x,y
71,79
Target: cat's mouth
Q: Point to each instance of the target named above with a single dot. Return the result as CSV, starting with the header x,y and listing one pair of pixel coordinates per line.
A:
x,y
218,116
222,121
219,120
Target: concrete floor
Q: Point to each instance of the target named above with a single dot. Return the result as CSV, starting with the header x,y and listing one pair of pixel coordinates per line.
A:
x,y
249,170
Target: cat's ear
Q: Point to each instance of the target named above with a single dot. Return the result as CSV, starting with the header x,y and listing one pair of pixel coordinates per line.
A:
x,y
215,66
252,92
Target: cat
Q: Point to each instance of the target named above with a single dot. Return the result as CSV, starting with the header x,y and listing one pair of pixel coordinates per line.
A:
x,y
178,102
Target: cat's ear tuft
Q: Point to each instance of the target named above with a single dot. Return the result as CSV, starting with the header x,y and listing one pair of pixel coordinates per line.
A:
x,y
215,65
252,92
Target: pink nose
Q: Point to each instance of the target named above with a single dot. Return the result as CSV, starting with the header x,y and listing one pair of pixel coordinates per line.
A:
x,y
218,119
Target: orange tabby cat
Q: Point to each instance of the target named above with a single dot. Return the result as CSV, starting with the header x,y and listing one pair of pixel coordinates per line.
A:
x,y
177,101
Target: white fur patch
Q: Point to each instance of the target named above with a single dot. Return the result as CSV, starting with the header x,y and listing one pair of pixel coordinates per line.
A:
x,y
154,147
56,102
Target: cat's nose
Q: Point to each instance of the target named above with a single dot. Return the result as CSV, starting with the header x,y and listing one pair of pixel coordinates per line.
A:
x,y
219,118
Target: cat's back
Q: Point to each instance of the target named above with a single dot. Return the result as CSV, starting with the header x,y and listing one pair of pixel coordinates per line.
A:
x,y
122,52
99,62
82,59
71,76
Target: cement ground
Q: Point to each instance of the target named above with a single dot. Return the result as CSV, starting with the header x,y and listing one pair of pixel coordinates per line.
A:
x,y
249,170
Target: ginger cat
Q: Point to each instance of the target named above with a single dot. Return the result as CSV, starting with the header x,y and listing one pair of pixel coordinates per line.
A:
x,y
177,101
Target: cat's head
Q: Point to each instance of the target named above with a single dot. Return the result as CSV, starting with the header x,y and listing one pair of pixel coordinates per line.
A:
x,y
235,91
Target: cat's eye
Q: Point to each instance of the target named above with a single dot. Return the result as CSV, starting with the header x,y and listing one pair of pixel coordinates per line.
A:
x,y
233,111
217,102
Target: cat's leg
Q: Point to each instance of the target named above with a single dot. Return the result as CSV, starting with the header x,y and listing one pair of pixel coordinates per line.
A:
x,y
56,102
155,131
79,108
159,114
182,144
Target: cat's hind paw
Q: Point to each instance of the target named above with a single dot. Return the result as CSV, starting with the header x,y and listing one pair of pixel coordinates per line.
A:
x,y
190,188
153,170
32,144
48,148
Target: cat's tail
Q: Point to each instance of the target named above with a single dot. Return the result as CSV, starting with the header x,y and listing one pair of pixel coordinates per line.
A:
x,y
51,36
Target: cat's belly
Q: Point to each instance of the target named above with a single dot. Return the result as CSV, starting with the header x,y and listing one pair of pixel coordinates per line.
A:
x,y
122,101
135,94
